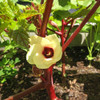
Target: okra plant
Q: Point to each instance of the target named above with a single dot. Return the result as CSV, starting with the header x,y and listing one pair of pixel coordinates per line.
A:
x,y
52,22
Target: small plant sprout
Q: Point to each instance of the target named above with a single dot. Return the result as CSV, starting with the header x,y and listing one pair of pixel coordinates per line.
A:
x,y
93,43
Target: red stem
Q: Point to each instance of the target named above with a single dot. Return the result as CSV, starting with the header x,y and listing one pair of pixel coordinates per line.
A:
x,y
68,22
49,83
33,6
46,17
81,25
62,31
66,36
63,40
42,1
48,72
57,32
6,30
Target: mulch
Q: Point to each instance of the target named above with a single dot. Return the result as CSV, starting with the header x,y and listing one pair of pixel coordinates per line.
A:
x,y
82,82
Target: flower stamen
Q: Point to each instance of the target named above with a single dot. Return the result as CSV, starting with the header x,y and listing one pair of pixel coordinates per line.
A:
x,y
48,52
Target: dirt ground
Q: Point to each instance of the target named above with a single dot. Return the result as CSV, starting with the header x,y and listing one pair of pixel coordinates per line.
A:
x,y
81,82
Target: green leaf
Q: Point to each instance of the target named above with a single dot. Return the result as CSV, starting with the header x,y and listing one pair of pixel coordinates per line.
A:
x,y
90,58
11,62
60,14
3,25
5,11
61,5
1,64
41,7
32,27
79,13
12,65
98,41
84,3
8,12
17,60
37,1
14,1
20,34
3,80
5,61
1,72
97,17
5,43
74,2
98,10
28,13
8,48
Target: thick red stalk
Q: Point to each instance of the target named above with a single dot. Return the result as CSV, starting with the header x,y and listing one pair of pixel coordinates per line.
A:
x,y
49,83
46,17
48,72
62,31
81,25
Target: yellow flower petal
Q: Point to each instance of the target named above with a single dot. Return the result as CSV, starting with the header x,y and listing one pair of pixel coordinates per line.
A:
x,y
41,62
30,54
38,40
35,39
35,54
53,38
44,63
57,48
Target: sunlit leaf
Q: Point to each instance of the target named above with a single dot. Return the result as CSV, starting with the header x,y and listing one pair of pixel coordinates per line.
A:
x,y
61,5
1,72
97,18
20,35
90,58
3,25
74,2
79,13
28,13
17,60
84,3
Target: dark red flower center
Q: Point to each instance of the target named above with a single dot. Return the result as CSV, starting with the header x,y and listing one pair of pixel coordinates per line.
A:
x,y
48,52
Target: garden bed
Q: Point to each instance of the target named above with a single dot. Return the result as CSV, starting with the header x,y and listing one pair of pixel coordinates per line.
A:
x,y
81,83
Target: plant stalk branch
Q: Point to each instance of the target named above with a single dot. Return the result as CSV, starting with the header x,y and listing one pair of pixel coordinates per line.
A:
x,y
46,17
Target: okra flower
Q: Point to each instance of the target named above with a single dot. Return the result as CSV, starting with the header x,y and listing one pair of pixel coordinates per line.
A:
x,y
44,52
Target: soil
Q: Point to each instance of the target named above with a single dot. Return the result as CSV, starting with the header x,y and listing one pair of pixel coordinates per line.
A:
x,y
82,82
